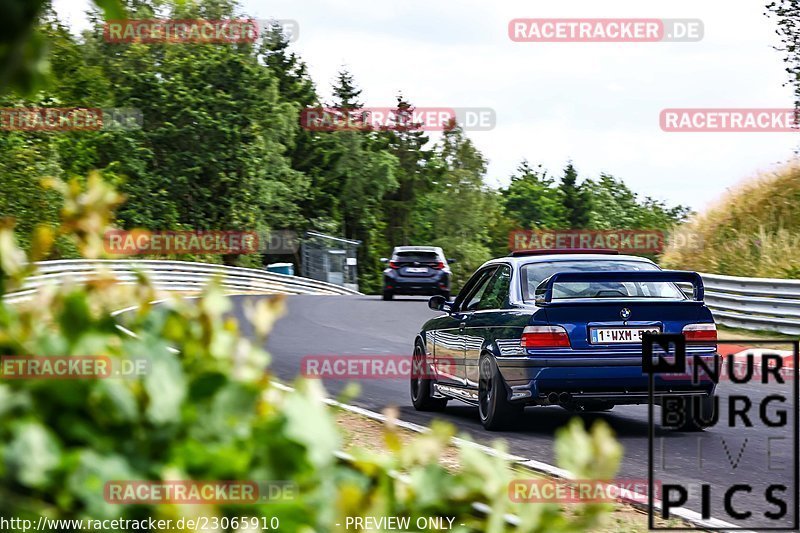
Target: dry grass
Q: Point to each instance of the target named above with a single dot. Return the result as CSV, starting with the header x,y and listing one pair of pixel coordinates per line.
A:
x,y
754,230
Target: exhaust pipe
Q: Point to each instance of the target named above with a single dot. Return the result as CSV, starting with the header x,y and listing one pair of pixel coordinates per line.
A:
x,y
564,398
552,398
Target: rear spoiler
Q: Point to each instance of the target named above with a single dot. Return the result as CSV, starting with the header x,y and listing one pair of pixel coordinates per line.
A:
x,y
544,292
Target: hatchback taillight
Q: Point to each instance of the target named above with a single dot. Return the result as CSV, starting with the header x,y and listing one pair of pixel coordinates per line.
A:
x,y
545,337
393,264
700,332
439,265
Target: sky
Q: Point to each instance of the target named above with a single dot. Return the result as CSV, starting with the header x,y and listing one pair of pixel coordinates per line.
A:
x,y
596,104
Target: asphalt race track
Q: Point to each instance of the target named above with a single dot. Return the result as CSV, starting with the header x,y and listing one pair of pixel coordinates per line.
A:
x,y
366,325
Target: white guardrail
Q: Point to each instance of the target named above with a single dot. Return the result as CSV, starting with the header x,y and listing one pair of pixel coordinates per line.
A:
x,y
749,303
753,303
180,276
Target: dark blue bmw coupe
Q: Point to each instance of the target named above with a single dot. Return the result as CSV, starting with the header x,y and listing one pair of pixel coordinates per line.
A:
x,y
561,328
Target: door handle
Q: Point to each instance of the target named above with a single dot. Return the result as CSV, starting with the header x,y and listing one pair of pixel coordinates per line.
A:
x,y
462,325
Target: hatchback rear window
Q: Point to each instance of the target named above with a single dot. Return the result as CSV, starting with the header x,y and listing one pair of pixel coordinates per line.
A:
x,y
533,274
416,257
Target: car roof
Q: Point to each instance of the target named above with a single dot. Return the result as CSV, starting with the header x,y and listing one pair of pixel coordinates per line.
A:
x,y
417,249
530,259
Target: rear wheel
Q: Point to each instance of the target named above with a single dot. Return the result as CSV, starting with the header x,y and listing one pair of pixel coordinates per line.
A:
x,y
387,295
494,409
421,387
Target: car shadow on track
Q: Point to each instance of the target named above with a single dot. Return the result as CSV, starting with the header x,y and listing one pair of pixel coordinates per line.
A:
x,y
544,421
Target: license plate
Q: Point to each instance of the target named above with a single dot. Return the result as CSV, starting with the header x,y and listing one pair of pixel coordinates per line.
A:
x,y
619,335
416,269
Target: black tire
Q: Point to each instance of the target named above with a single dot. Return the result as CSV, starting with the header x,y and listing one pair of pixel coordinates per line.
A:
x,y
494,409
446,295
421,387
387,295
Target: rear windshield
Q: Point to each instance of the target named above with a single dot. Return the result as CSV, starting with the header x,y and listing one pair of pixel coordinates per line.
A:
x,y
416,257
534,273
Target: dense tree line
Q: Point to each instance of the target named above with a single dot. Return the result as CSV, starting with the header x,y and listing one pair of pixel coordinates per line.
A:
x,y
221,147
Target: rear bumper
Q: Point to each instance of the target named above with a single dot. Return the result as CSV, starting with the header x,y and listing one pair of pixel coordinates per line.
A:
x,y
416,285
617,380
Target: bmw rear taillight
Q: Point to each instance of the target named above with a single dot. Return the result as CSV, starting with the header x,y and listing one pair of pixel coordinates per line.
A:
x,y
545,337
393,264
700,332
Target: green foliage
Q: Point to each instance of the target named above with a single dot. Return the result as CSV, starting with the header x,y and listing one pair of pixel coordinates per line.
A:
x,y
615,206
576,199
221,147
453,214
362,174
24,197
533,200
415,174
212,148
24,65
211,412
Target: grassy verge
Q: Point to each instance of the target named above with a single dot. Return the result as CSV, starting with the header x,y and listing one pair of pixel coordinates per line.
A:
x,y
366,433
751,231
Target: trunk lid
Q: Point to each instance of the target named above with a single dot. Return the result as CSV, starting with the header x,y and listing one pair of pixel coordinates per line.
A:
x,y
582,318
606,312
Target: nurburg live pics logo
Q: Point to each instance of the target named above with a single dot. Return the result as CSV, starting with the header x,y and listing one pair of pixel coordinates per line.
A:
x,y
762,410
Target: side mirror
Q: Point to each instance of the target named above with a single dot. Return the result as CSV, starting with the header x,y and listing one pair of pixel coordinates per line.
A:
x,y
384,260
439,303
451,261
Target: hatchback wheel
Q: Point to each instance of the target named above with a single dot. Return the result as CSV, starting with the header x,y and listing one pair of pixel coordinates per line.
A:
x,y
421,386
494,409
387,295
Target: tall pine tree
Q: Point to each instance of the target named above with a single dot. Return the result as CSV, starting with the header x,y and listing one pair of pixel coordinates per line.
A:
x,y
415,174
577,202
364,173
